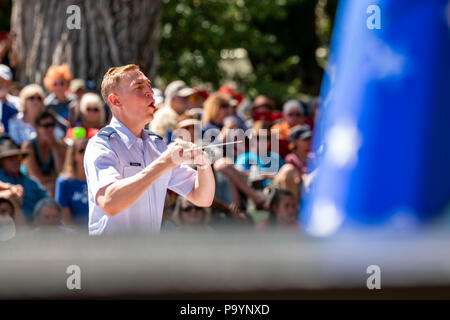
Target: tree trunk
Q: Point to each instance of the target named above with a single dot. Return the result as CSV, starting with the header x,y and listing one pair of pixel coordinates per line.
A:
x,y
111,33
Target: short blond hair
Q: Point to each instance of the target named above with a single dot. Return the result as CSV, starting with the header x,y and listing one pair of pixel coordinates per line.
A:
x,y
93,98
112,78
28,91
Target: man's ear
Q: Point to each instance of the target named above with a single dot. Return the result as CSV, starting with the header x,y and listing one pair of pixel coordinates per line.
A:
x,y
114,100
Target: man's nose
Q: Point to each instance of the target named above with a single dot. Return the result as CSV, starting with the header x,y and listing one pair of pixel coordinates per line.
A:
x,y
149,93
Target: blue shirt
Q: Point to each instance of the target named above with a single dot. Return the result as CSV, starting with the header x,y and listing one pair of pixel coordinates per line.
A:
x,y
33,192
72,194
122,155
269,164
7,112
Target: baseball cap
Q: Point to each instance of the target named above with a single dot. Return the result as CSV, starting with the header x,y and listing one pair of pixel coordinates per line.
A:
x,y
76,84
5,72
236,96
300,132
293,104
178,88
188,122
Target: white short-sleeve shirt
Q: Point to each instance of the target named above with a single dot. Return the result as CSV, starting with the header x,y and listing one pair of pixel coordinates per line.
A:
x,y
120,155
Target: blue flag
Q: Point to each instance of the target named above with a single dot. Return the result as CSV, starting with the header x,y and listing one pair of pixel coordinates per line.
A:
x,y
383,133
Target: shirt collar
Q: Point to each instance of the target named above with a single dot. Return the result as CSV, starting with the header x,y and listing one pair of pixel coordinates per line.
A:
x,y
125,134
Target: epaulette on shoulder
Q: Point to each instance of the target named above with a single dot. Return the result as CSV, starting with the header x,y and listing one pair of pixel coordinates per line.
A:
x,y
106,131
151,133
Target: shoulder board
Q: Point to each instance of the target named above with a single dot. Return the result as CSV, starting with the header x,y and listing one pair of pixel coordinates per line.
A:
x,y
151,133
106,131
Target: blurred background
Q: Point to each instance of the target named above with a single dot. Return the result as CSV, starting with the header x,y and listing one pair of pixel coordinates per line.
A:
x,y
356,94
279,46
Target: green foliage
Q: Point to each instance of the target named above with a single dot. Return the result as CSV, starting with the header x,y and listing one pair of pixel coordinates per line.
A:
x,y
279,36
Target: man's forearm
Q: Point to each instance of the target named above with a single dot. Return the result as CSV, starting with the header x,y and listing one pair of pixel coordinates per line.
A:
x,y
122,194
204,189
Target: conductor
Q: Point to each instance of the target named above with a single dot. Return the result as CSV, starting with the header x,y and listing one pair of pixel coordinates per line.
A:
x,y
129,169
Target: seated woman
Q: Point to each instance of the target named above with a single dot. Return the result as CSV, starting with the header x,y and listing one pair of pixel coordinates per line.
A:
x,y
215,109
282,212
71,187
21,126
46,154
92,114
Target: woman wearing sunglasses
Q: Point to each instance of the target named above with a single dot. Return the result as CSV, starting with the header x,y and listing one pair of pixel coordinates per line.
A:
x,y
46,153
71,187
190,217
57,81
92,116
21,126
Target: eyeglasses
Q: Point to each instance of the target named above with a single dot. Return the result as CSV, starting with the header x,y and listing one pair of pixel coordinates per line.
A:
x,y
92,110
189,208
47,125
294,114
82,150
59,83
32,98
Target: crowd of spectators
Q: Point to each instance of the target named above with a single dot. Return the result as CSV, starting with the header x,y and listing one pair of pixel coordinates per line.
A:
x,y
45,130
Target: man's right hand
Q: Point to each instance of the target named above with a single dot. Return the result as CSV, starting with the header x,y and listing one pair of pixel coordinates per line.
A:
x,y
173,155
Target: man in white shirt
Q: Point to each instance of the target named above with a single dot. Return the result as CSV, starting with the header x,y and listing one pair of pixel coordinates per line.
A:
x,y
129,169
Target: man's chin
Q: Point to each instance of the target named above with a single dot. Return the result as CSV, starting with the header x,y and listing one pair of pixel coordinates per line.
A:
x,y
149,119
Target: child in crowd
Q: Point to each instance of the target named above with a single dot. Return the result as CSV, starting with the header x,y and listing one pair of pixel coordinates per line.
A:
x,y
283,212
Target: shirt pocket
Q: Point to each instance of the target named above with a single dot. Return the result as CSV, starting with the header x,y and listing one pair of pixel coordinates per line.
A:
x,y
129,171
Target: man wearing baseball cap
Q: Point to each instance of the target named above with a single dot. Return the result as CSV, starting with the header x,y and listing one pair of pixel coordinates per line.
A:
x,y
176,101
10,161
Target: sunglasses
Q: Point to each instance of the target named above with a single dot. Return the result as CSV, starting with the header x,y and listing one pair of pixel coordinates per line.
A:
x,y
194,98
92,110
32,98
15,157
47,125
189,208
59,83
294,114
